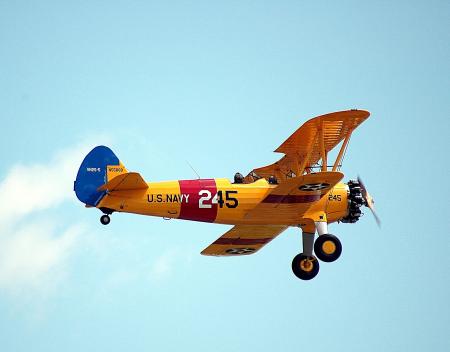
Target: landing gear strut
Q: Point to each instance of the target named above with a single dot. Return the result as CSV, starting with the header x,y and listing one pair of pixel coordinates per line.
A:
x,y
305,265
105,219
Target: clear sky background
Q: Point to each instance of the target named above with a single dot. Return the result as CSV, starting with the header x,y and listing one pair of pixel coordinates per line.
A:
x,y
221,85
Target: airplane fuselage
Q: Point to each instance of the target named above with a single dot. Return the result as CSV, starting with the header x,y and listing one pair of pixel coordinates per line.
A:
x,y
220,201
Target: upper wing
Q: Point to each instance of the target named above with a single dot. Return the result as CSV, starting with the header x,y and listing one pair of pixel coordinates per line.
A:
x,y
293,197
125,182
243,239
311,143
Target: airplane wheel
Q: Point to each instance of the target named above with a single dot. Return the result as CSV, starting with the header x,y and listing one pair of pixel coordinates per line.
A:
x,y
105,219
305,267
328,248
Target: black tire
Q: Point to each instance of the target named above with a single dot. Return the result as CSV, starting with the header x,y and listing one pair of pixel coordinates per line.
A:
x,y
105,219
298,266
328,248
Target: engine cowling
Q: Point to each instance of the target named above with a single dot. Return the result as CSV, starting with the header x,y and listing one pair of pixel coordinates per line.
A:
x,y
355,201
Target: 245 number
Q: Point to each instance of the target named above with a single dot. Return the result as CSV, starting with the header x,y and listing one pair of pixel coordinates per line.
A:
x,y
205,196
336,197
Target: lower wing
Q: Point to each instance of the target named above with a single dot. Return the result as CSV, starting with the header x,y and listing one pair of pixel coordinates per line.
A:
x,y
243,240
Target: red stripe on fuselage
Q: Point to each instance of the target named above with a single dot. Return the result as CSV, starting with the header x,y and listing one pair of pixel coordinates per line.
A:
x,y
195,209
308,198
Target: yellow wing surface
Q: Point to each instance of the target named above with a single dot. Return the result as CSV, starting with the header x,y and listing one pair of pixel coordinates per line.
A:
x,y
243,240
311,143
287,203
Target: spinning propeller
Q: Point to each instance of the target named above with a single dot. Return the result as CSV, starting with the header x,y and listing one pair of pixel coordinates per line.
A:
x,y
369,202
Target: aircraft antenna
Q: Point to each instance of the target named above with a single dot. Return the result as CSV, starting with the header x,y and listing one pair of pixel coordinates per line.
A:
x,y
198,176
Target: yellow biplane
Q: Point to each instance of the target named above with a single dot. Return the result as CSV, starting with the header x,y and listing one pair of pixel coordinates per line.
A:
x,y
299,190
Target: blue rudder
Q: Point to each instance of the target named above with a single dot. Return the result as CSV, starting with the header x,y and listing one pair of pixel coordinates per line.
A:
x,y
92,174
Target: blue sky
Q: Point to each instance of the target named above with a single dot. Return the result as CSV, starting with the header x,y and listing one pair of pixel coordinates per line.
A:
x,y
221,85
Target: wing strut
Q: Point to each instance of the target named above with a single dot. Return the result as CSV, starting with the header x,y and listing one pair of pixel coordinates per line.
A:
x,y
308,156
323,152
341,151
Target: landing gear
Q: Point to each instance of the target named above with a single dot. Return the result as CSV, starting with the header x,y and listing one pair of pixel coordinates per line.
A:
x,y
328,248
105,219
305,267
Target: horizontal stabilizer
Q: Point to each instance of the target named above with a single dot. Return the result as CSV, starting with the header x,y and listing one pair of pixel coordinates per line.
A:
x,y
129,181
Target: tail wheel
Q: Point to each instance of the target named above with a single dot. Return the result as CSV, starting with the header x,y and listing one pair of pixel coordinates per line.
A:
x,y
105,219
305,267
328,248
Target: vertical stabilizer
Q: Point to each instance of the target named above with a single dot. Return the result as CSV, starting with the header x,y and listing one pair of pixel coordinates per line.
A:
x,y
98,167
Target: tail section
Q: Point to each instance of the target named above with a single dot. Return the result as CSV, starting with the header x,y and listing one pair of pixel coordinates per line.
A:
x,y
98,167
130,181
